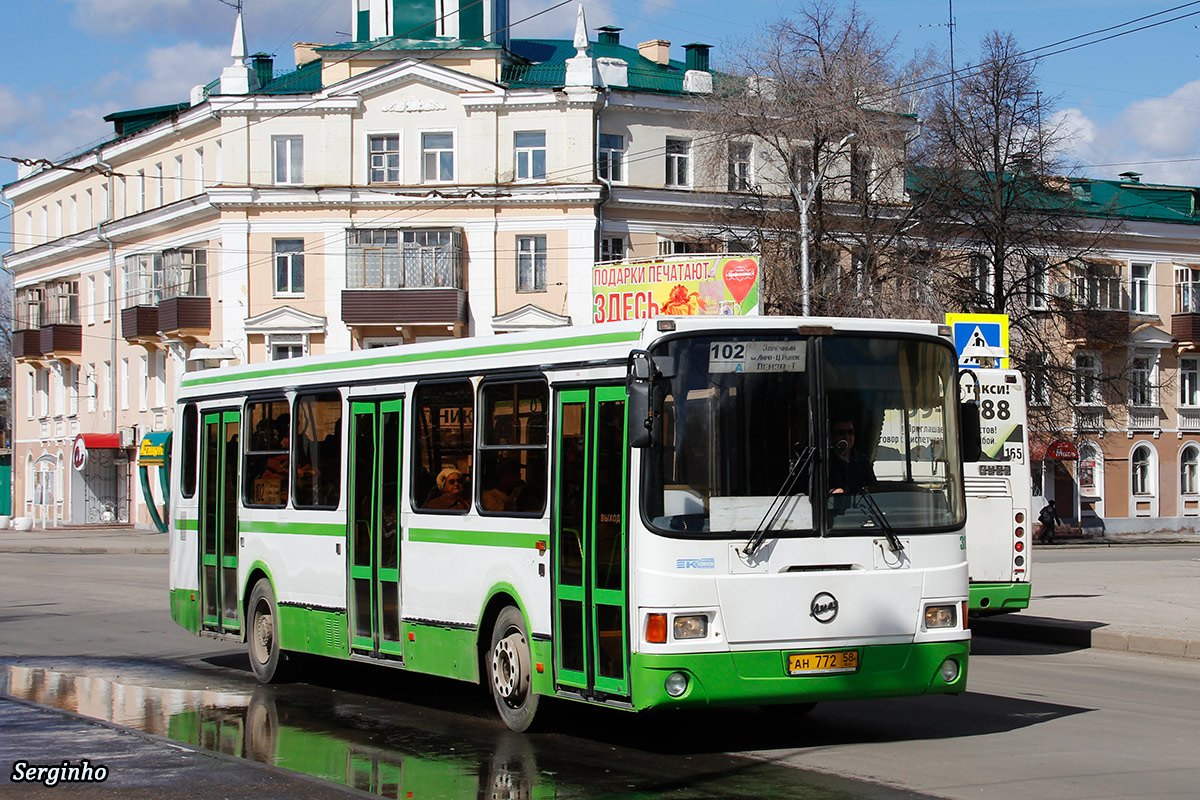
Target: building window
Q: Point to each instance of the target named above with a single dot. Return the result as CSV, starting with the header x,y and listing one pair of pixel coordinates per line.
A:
x,y
287,345
185,272
198,166
1187,290
1141,288
739,167
384,153
679,173
1141,381
43,392
71,375
610,159
1087,379
268,428
1037,284
1039,379
513,448
981,277
89,382
437,157
1141,470
530,155
1098,286
390,258
123,384
860,174
289,267
1189,470
612,248
179,195
144,278
159,188
531,263
288,159
1189,382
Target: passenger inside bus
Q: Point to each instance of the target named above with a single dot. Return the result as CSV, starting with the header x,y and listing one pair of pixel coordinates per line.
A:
x,y
849,469
451,494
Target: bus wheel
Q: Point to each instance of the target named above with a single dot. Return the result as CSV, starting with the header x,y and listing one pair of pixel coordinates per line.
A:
x,y
509,666
263,633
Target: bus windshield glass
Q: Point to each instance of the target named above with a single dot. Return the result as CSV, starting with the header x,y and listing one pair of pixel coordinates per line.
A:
x,y
742,430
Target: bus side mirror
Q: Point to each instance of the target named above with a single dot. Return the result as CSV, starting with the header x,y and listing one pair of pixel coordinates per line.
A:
x,y
968,421
638,377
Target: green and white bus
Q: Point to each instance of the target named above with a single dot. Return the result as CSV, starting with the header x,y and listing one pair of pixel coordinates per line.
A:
x,y
999,496
638,515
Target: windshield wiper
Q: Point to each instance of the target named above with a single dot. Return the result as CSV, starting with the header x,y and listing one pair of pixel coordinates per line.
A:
x,y
881,520
778,503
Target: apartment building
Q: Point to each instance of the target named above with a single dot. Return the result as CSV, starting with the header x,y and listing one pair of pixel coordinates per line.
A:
x,y
430,178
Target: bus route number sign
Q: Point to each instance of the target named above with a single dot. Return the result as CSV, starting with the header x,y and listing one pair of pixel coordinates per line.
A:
x,y
776,356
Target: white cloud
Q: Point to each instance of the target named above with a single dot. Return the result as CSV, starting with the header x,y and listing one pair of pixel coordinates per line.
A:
x,y
1165,125
17,110
169,73
264,19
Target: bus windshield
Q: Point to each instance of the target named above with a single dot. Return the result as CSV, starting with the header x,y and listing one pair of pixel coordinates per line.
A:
x,y
741,420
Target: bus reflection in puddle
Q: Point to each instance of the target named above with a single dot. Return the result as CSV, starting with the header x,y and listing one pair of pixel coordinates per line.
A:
x,y
252,726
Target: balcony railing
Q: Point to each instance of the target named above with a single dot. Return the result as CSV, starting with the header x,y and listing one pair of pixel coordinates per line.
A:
x,y
1144,418
1089,419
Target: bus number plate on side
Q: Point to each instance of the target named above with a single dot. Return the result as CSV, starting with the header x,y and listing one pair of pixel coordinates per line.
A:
x,y
822,663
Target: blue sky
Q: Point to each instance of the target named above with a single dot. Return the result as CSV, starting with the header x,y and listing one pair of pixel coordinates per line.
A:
x,y
67,63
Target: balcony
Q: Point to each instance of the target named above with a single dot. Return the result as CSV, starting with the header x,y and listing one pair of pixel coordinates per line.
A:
x,y
185,316
424,306
1145,418
1098,325
139,324
1089,418
1186,326
1189,419
27,344
61,340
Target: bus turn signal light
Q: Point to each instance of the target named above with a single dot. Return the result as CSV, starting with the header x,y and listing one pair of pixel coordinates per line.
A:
x,y
656,628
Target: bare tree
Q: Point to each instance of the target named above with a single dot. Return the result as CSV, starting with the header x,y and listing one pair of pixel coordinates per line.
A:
x,y
1006,223
811,118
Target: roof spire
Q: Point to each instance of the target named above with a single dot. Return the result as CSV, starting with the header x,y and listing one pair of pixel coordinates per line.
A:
x,y
581,39
238,78
238,51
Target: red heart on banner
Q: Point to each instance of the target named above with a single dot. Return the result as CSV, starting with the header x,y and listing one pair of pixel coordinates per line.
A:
x,y
739,276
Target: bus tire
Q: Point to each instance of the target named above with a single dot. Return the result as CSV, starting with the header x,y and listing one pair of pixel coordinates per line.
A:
x,y
510,670
262,634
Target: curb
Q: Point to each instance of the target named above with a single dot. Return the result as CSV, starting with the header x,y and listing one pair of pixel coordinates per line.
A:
x,y
1094,635
44,549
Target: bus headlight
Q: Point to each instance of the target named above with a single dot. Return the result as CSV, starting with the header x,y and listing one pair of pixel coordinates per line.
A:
x,y
676,684
694,626
941,616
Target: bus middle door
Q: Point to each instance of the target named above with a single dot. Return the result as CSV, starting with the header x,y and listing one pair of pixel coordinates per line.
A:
x,y
219,488
591,650
374,509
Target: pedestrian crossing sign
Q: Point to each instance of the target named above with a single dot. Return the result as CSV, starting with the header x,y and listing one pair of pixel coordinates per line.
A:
x,y
980,339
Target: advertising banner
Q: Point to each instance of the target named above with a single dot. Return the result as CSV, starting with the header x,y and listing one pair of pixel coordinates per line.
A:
x,y
676,285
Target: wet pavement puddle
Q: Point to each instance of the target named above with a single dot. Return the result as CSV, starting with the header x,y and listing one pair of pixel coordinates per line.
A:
x,y
394,749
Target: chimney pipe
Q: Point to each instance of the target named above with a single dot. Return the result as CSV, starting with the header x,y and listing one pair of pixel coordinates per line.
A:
x,y
697,56
609,34
656,50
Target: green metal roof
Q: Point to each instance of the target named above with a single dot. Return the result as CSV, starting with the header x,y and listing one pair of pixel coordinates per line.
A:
x,y
390,44
138,119
305,79
546,65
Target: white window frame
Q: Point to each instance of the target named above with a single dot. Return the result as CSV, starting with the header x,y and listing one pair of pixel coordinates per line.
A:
x,y
73,212
42,376
525,157
143,383
198,170
1189,382
983,275
58,218
531,258
140,206
107,386
613,247
179,177
610,161
71,375
287,152
89,383
1141,287
89,299
160,379
1037,284
1143,380
678,163
1087,379
161,193
436,154
89,200
291,257
106,292
123,384
1189,470
389,162
295,345
741,166
1038,379
1141,475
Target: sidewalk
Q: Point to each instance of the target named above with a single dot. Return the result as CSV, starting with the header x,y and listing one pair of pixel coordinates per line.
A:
x,y
124,540
1147,603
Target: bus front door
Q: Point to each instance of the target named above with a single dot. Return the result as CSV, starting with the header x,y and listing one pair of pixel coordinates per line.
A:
x,y
591,650
219,522
374,508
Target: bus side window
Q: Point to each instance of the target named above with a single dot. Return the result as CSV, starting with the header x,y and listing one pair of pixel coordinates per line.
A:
x,y
268,426
191,438
513,448
444,418
318,447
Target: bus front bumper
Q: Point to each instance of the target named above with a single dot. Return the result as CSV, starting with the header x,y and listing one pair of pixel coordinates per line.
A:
x,y
760,677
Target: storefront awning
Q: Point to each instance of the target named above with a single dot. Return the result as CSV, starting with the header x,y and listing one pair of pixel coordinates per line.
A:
x,y
1056,450
154,449
99,441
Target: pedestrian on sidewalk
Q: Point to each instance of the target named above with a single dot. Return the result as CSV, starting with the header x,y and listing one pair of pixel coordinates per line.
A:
x,y
1049,519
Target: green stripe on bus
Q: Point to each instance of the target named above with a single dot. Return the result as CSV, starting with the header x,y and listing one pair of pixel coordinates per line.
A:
x,y
308,528
473,537
184,524
414,358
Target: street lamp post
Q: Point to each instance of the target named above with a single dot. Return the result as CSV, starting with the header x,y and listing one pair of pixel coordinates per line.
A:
x,y
804,202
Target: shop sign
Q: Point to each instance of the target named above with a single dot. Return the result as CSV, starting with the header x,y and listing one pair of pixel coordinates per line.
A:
x,y
708,285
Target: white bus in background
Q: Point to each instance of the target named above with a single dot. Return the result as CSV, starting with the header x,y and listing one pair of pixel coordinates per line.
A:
x,y
634,515
1000,519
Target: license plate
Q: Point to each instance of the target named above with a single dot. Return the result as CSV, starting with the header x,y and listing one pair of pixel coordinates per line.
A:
x,y
822,663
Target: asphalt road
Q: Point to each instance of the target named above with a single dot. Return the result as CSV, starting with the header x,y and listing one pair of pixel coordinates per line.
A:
x,y
1038,722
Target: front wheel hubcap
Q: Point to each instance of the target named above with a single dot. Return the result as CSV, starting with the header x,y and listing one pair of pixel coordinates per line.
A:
x,y
264,632
510,674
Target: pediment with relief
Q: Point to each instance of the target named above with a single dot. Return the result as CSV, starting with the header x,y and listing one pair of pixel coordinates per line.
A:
x,y
285,319
528,317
